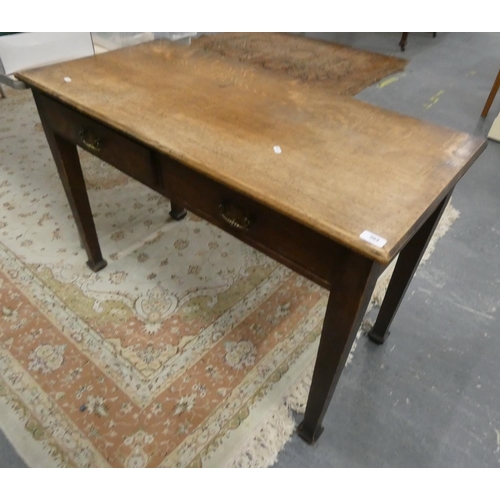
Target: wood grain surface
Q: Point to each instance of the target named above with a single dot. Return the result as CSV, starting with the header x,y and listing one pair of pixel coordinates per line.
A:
x,y
345,166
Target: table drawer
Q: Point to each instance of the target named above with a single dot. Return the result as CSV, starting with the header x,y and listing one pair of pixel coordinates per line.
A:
x,y
114,148
283,239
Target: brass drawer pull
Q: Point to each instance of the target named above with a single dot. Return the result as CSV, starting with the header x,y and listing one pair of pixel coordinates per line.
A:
x,y
235,216
90,140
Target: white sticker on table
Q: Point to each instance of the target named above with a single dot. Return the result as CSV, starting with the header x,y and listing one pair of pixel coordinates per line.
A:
x,y
372,238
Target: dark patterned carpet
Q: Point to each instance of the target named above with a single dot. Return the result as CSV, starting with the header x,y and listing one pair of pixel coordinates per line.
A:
x,y
344,70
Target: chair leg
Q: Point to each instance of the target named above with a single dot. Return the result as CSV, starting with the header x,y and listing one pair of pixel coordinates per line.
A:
x,y
492,95
403,41
2,92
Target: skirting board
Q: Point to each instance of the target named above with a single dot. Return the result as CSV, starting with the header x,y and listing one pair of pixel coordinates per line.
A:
x,y
494,132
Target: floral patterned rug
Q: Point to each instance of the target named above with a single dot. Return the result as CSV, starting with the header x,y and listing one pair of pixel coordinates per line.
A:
x,y
187,350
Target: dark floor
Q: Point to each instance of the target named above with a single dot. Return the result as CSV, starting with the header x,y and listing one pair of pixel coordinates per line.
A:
x,y
430,396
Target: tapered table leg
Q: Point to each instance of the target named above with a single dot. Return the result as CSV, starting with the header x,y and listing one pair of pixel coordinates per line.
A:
x,y
405,268
352,287
70,171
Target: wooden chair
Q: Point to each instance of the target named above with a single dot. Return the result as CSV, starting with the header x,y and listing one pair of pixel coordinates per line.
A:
x,y
404,40
492,95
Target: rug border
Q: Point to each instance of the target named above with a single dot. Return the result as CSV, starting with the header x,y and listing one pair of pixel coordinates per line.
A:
x,y
34,453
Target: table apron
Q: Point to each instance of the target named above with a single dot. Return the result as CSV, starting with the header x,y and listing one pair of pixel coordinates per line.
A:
x,y
289,242
120,151
300,248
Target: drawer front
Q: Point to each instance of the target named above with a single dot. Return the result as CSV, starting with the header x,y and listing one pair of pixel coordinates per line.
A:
x,y
114,148
283,239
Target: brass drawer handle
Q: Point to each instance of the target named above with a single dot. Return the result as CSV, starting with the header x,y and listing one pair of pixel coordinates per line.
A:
x,y
235,216
90,140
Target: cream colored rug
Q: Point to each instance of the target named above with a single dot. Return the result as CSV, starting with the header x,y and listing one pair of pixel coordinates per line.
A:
x,y
189,350
494,132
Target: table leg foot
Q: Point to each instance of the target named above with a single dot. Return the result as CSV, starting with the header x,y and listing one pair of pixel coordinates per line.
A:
x,y
177,212
308,435
378,337
97,266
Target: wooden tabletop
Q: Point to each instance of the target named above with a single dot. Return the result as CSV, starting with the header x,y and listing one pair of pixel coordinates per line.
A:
x,y
345,166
